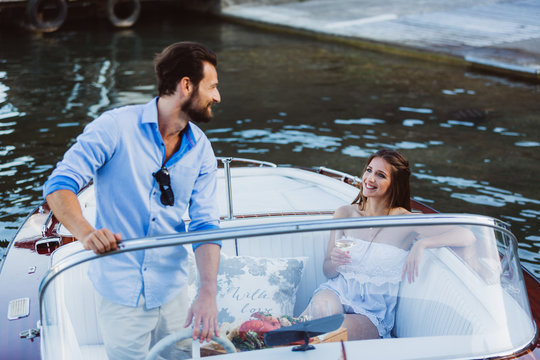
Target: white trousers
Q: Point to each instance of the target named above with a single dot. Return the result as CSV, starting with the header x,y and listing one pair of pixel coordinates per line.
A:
x,y
129,332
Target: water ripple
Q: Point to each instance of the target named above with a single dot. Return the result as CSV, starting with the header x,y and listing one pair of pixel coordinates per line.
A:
x,y
363,121
527,144
104,101
412,122
3,92
9,111
530,214
303,139
4,150
489,195
416,110
16,162
357,151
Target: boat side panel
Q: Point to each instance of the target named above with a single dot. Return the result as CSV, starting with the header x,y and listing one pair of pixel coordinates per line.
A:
x,y
16,282
20,277
533,290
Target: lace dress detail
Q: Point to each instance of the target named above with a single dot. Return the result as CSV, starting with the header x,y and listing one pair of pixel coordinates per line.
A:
x,y
373,262
370,284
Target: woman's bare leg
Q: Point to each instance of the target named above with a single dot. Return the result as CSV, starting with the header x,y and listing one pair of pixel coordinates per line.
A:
x,y
323,303
359,327
326,303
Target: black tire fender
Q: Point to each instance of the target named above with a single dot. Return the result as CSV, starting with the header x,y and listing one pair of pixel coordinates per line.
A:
x,y
123,13
46,15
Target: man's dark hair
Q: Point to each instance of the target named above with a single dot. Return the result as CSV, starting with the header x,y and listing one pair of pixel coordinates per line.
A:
x,y
179,60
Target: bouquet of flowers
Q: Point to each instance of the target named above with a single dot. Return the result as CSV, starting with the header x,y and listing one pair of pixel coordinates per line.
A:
x,y
250,334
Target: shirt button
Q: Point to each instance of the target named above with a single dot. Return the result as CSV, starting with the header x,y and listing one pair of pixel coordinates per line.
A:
x,y
153,219
144,269
154,193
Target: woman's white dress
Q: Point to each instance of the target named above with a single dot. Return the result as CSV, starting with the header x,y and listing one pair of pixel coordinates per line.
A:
x,y
370,284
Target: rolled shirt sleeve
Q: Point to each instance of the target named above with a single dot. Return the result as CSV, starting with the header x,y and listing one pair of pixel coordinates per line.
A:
x,y
92,149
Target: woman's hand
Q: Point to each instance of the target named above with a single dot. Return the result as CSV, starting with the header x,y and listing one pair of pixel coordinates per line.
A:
x,y
412,262
339,257
333,259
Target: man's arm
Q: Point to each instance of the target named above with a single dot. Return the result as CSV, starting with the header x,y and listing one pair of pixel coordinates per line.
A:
x,y
65,206
203,311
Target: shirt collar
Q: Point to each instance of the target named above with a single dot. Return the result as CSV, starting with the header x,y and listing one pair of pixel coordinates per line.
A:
x,y
150,116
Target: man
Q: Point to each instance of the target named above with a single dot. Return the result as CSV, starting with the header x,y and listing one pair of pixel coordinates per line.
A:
x,y
149,163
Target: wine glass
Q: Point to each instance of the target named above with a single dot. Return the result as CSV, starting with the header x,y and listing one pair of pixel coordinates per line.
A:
x,y
344,243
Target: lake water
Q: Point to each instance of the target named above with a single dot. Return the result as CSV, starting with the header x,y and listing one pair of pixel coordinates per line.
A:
x,y
473,139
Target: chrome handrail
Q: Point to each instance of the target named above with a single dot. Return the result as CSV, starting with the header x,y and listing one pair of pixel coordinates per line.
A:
x,y
249,161
226,161
344,176
228,183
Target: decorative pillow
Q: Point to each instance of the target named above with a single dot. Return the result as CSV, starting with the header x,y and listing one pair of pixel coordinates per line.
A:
x,y
248,284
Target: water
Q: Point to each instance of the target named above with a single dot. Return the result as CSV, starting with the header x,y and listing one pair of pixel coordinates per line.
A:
x,y
473,139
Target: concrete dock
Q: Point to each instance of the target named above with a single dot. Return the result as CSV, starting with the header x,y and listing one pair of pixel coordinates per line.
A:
x,y
502,36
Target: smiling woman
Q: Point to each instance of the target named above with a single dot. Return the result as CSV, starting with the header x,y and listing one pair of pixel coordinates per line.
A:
x,y
357,285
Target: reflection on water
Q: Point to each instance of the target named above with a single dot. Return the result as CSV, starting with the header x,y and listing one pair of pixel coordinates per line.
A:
x,y
473,139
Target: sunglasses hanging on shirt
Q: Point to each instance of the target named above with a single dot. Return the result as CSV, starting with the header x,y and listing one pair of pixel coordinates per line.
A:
x,y
164,180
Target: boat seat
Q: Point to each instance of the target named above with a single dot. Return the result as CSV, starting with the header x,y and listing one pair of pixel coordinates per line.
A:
x,y
438,302
76,299
447,299
451,299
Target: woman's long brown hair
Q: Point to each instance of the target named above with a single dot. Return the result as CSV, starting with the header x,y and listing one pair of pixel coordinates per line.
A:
x,y
400,189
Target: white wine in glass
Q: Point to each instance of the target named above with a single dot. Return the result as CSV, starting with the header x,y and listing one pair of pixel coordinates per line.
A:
x,y
345,243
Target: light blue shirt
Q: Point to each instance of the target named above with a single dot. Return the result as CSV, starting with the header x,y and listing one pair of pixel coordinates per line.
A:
x,y
120,150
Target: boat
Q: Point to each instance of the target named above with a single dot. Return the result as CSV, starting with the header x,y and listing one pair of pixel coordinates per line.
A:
x,y
466,303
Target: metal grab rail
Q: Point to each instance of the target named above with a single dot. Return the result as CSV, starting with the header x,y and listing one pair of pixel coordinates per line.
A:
x,y
348,178
226,161
228,182
248,161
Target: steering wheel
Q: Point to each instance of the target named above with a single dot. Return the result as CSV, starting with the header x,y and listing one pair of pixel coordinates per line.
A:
x,y
185,334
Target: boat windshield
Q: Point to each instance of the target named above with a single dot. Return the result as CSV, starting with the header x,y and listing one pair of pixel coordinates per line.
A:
x,y
418,286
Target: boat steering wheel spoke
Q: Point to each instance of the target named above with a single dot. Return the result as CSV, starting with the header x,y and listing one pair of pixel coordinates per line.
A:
x,y
182,335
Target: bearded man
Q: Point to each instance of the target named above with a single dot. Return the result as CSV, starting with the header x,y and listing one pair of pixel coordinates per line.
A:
x,y
149,163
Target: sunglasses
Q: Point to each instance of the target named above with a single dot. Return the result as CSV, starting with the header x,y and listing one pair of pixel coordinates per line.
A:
x,y
164,181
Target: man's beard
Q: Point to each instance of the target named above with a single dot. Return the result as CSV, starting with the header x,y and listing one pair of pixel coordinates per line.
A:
x,y
198,115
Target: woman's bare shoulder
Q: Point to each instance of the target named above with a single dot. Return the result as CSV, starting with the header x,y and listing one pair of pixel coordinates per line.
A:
x,y
346,211
400,211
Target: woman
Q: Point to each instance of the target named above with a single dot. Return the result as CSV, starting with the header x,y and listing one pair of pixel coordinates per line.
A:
x,y
364,280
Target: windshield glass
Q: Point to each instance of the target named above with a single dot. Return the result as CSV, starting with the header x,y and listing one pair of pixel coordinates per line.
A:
x,y
446,290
